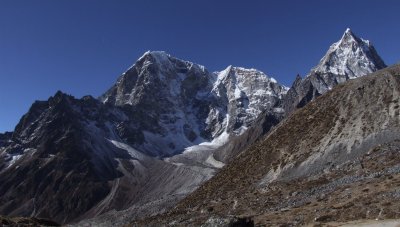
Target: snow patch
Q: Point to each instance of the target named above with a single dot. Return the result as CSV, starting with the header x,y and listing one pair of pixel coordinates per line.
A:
x,y
215,163
215,143
13,160
278,110
133,152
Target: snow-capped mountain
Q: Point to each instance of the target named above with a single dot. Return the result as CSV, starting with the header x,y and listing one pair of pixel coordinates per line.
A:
x,y
349,58
170,100
165,127
178,104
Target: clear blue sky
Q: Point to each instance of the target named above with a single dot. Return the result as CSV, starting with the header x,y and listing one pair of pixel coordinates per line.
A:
x,y
82,46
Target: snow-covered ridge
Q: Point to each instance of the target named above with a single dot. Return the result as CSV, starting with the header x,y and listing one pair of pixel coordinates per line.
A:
x,y
161,58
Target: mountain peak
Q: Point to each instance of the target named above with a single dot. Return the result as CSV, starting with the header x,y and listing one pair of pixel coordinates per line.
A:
x,y
164,60
348,32
351,57
156,56
349,37
157,53
348,58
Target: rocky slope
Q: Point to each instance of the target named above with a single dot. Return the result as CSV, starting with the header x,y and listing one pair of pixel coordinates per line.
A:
x,y
336,159
21,222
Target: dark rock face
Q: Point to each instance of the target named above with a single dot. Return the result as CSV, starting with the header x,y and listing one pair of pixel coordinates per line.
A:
x,y
301,93
5,138
49,168
242,222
